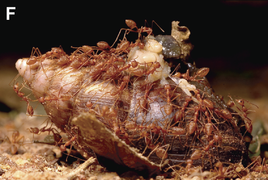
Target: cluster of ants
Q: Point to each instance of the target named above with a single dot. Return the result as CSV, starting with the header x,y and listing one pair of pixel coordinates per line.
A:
x,y
205,119
193,115
107,62
103,57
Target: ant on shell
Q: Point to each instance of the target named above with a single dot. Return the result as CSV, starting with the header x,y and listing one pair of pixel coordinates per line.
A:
x,y
132,27
17,90
243,112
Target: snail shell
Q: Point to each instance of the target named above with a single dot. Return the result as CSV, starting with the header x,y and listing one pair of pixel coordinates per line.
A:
x,y
165,124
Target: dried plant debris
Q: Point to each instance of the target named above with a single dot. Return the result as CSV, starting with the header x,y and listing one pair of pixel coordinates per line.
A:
x,y
126,105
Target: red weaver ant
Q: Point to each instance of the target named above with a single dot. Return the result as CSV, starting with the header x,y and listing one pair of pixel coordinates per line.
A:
x,y
153,68
56,52
208,126
132,64
243,113
103,45
74,137
68,143
195,155
177,131
16,88
133,28
143,100
202,72
221,169
192,126
168,107
32,60
56,134
15,141
180,113
126,80
160,152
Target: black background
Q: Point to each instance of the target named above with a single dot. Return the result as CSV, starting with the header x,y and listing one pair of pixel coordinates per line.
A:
x,y
225,34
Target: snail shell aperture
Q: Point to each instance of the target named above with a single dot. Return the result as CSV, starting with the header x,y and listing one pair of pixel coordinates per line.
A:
x,y
131,111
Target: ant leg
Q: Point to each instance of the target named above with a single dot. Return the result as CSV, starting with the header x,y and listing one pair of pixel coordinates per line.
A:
x,y
153,22
119,35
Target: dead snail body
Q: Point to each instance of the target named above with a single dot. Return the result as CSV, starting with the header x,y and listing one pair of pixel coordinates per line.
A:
x,y
171,48
131,100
